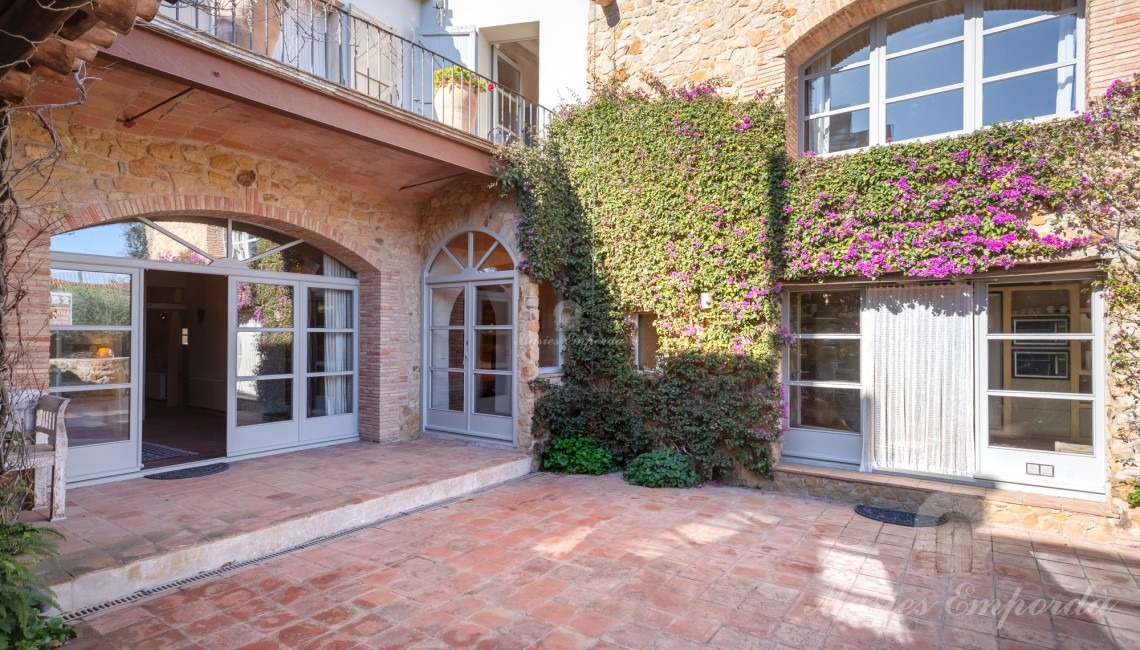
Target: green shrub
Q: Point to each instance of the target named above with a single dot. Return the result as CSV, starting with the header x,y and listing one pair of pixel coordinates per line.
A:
x,y
661,468
22,593
577,455
1134,496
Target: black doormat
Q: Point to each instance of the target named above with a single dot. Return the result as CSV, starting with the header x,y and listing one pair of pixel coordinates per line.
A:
x,y
152,452
899,517
190,472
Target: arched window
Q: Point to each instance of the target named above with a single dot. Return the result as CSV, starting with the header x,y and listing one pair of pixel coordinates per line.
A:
x,y
940,68
470,253
202,241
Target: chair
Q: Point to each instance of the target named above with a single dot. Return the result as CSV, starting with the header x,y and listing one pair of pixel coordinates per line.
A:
x,y
50,450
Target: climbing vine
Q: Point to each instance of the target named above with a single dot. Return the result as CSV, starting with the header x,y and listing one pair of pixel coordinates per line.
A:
x,y
643,201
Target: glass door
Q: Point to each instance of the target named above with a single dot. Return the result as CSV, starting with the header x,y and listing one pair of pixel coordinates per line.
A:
x,y
94,362
492,373
330,369
1041,423
264,395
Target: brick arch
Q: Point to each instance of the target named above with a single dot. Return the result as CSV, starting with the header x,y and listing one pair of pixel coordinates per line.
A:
x,y
312,229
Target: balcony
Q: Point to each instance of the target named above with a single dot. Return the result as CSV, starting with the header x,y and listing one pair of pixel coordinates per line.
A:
x,y
342,46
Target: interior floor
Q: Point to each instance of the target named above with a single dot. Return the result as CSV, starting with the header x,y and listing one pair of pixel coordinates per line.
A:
x,y
189,429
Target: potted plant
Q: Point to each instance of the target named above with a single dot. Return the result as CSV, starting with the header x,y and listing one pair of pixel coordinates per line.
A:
x,y
456,97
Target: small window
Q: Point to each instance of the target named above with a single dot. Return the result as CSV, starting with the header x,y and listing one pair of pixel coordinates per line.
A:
x,y
647,346
551,327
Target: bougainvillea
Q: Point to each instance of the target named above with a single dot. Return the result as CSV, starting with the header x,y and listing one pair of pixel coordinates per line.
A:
x,y
643,201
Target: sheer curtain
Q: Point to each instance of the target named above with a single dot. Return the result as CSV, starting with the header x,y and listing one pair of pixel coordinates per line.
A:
x,y
338,351
922,384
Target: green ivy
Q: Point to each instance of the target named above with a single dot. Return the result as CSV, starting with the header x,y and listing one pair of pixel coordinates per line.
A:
x,y
661,468
1133,497
577,455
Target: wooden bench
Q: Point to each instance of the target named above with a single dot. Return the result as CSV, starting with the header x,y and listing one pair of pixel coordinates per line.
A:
x,y
50,451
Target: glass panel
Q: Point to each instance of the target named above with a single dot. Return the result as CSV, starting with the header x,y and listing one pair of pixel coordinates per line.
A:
x,y
852,49
1043,366
264,305
493,350
249,240
922,116
825,408
264,400
206,234
925,70
90,298
549,334
493,395
447,306
1020,48
1051,92
498,260
110,239
330,308
825,312
1039,424
647,342
329,396
98,416
482,243
330,352
1043,308
820,360
458,248
930,23
1005,12
447,348
89,357
264,353
443,265
493,305
839,132
302,258
446,390
839,90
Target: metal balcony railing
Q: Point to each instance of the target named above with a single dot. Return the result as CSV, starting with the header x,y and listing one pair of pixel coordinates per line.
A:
x,y
347,48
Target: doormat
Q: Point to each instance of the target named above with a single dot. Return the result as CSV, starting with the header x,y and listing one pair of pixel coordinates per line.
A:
x,y
899,517
190,472
152,452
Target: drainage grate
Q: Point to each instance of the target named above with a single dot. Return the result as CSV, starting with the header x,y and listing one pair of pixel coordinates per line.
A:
x,y
232,566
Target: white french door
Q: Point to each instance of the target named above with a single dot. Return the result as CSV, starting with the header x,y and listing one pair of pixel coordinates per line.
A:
x,y
470,353
95,361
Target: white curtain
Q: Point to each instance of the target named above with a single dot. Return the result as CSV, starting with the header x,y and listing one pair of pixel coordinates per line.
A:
x,y
338,351
922,384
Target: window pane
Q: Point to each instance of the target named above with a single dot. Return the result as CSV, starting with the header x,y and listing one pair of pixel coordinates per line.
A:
x,y
549,332
1005,12
330,308
1026,47
1058,425
447,348
89,357
825,408
839,132
447,307
927,115
1042,308
206,234
264,400
825,312
647,342
111,239
98,416
818,360
330,396
330,352
839,90
925,70
264,305
924,25
305,259
493,395
446,391
264,353
493,350
458,248
90,298
1040,366
444,265
498,260
482,243
853,49
493,305
1051,92
249,240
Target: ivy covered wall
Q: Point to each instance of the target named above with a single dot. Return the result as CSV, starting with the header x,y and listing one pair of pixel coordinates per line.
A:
x,y
643,201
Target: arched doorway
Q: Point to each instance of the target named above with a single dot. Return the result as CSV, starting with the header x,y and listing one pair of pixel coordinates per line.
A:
x,y
469,338
181,339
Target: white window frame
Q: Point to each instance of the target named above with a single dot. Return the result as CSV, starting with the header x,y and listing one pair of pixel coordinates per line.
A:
x,y
972,80
558,310
637,360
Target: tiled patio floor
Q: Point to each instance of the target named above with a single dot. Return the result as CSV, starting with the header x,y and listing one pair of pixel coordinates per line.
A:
x,y
577,562
111,524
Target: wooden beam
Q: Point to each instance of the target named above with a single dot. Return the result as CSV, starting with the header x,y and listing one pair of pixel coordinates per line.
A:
x,y
25,23
14,85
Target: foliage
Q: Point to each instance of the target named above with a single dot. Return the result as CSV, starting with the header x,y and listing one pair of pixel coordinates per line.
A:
x,y
577,455
97,303
663,467
22,593
455,75
1134,496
